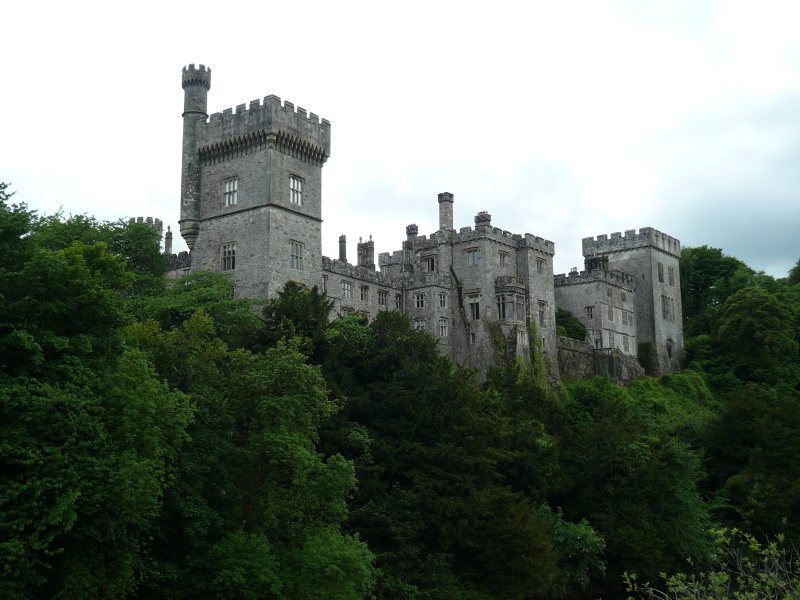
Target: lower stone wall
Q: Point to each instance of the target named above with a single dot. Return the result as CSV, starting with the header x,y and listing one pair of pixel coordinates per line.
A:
x,y
578,360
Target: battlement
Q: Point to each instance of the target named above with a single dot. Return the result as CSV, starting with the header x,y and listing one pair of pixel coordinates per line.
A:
x,y
358,273
196,77
618,278
156,224
268,122
646,238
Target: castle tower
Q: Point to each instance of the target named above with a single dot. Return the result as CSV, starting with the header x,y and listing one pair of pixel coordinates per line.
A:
x,y
196,83
652,258
366,253
251,202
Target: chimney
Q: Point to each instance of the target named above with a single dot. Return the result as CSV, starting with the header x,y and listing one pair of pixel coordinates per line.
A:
x,y
445,211
343,248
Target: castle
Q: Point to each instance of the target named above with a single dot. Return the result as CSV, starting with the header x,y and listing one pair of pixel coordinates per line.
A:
x,y
251,206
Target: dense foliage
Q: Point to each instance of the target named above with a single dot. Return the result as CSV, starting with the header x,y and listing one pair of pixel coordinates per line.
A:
x,y
177,442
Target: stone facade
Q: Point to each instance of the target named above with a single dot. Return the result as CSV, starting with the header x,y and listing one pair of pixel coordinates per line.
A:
x,y
251,205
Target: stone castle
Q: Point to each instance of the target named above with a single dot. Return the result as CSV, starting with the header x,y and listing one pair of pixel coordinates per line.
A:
x,y
251,206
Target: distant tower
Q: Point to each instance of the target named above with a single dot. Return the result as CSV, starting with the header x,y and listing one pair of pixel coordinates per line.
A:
x,y
652,258
196,83
251,202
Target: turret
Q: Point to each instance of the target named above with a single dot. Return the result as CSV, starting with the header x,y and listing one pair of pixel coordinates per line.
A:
x,y
366,253
196,83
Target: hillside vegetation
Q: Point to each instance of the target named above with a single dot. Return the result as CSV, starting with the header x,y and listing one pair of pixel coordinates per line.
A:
x,y
178,442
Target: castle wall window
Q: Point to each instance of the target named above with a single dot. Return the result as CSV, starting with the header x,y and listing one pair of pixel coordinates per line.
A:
x,y
472,338
623,296
520,308
325,283
430,263
660,272
671,273
474,306
505,306
522,338
610,313
589,311
442,327
625,344
419,300
296,256
542,310
442,300
624,317
668,309
610,293
539,266
228,256
230,191
296,190
503,259
420,324
473,256
610,339
347,289
398,301
383,298
365,293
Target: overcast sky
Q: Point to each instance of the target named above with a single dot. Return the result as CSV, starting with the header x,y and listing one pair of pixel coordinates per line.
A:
x,y
564,119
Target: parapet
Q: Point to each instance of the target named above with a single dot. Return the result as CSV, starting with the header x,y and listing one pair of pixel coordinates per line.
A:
x,y
646,238
199,77
156,224
537,243
294,132
617,278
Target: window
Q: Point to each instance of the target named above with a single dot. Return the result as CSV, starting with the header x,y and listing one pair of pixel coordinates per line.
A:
x,y
597,343
347,289
420,324
503,259
365,293
610,339
671,273
520,308
230,191
398,301
623,296
610,313
419,300
229,256
471,338
539,266
473,256
474,306
668,309
522,338
624,317
589,311
296,256
630,319
625,344
442,327
325,283
542,309
610,293
442,300
295,190
383,298
660,272
505,306
430,263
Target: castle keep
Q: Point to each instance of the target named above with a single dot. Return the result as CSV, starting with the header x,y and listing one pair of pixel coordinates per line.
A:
x,y
251,206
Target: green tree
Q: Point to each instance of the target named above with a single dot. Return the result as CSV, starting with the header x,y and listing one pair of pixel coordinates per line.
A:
x,y
572,327
744,568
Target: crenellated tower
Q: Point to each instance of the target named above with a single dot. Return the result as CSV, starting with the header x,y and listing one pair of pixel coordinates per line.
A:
x,y
652,258
196,83
251,188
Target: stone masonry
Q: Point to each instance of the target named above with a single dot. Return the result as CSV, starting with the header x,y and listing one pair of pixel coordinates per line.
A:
x,y
251,206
